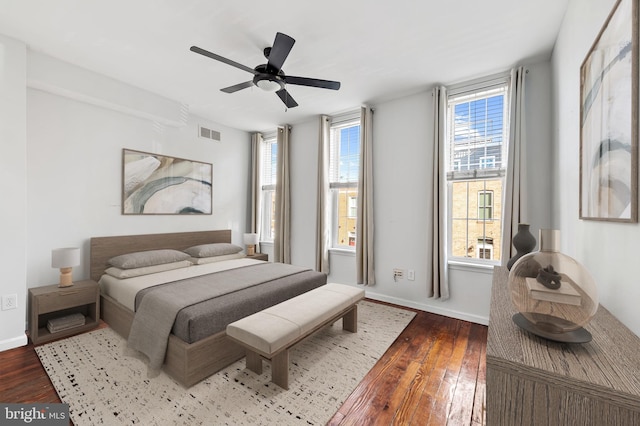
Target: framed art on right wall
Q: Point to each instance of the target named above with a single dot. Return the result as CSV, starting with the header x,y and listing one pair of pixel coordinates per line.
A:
x,y
609,120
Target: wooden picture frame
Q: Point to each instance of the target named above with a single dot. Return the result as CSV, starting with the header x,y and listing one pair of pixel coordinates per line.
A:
x,y
154,184
609,120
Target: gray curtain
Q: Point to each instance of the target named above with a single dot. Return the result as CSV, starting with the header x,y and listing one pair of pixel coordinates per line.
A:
x,y
515,195
323,216
365,272
282,240
256,144
439,287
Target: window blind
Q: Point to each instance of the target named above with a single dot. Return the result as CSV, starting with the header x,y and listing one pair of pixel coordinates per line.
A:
x,y
477,134
344,154
269,161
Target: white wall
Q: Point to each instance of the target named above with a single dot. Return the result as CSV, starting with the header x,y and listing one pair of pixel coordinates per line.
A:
x,y
74,168
608,250
402,187
304,174
13,178
539,151
63,130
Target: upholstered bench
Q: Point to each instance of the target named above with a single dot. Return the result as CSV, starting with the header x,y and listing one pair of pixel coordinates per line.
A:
x,y
272,332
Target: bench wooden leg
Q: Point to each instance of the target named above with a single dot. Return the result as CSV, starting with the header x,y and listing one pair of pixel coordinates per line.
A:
x,y
280,369
350,320
254,362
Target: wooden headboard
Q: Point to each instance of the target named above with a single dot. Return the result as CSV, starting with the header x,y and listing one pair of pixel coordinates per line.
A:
x,y
104,248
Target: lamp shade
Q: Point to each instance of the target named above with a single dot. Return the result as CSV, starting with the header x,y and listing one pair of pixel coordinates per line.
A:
x,y
65,257
251,239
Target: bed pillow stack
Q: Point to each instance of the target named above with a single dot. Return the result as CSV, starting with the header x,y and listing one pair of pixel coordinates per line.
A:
x,y
152,261
147,262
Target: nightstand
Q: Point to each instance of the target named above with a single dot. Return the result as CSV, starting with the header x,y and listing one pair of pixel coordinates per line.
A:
x,y
259,256
49,302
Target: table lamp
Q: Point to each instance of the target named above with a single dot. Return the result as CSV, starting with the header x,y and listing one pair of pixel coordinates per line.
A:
x,y
65,259
250,240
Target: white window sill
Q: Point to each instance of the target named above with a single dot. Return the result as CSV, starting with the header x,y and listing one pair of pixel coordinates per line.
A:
x,y
342,252
486,268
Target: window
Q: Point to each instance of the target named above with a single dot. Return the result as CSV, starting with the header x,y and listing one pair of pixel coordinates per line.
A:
x,y
268,173
477,131
344,166
485,248
484,253
485,205
353,206
487,162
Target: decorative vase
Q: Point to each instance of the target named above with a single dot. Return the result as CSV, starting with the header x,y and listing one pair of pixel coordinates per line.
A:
x,y
523,241
555,295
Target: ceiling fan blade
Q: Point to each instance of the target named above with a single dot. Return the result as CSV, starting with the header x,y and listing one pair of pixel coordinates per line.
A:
x,y
286,98
279,51
236,87
196,49
312,82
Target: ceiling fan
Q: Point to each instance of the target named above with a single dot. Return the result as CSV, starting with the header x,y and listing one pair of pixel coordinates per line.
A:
x,y
270,76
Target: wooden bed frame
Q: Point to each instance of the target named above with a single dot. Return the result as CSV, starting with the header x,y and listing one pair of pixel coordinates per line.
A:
x,y
188,363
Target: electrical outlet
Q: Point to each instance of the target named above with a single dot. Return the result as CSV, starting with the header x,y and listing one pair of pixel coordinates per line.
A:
x,y
9,301
411,275
397,274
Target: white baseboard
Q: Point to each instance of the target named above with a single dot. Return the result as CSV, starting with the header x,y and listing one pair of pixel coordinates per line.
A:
x,y
464,316
14,342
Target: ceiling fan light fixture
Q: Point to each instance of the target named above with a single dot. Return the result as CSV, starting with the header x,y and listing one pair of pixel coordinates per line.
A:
x,y
269,85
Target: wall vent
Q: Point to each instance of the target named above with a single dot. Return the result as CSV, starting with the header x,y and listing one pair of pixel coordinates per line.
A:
x,y
208,133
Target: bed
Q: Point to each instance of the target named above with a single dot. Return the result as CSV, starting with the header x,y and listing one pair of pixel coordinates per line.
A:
x,y
192,357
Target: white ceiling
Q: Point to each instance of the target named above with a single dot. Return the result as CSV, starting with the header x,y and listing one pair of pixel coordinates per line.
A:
x,y
378,50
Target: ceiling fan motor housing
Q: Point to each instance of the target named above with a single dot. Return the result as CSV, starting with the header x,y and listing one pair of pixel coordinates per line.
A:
x,y
269,81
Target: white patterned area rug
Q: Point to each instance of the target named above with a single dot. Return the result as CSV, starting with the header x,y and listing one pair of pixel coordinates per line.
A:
x,y
102,386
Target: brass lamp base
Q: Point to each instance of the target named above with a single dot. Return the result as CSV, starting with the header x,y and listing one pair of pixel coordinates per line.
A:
x,y
251,250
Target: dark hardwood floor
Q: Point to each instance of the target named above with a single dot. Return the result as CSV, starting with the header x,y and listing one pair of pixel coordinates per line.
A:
x,y
433,374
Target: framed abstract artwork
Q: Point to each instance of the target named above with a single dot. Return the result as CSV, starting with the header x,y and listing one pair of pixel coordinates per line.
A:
x,y
159,184
609,120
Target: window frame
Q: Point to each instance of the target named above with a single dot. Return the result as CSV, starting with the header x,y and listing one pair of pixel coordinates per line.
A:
x,y
336,187
267,232
461,171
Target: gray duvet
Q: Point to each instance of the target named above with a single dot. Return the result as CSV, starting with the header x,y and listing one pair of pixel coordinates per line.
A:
x,y
202,306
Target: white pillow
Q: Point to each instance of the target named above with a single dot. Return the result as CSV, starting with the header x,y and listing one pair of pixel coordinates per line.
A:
x,y
203,260
146,270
